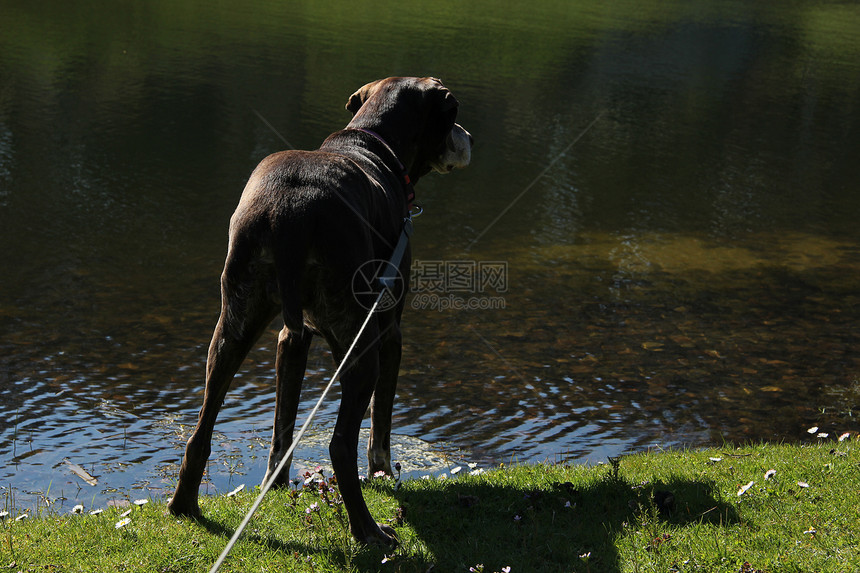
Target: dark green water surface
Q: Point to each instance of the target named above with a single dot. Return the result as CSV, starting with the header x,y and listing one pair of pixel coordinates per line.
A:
x,y
668,193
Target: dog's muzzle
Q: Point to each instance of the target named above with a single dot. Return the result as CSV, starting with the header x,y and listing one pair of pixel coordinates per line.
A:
x,y
458,151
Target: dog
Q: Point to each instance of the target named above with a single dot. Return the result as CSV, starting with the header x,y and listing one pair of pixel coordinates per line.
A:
x,y
305,224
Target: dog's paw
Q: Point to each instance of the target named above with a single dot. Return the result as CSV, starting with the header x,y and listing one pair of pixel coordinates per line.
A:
x,y
384,536
184,509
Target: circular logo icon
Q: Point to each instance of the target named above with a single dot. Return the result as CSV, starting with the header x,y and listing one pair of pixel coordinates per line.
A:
x,y
378,279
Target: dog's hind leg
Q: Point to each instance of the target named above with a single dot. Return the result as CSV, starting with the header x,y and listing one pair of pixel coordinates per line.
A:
x,y
382,404
246,311
290,364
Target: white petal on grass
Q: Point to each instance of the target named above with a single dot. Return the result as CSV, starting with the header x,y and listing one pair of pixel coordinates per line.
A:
x,y
4,514
802,484
715,460
22,517
455,471
96,511
126,514
122,523
844,436
139,502
744,489
822,435
235,491
769,474
810,531
78,509
812,430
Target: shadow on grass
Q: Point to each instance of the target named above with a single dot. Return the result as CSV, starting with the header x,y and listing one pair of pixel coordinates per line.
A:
x,y
554,527
467,523
276,543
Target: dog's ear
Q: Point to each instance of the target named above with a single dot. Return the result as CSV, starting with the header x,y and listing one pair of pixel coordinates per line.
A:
x,y
358,98
446,99
355,101
447,106
449,102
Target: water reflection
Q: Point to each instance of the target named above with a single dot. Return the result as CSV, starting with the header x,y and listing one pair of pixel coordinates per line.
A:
x,y
674,339
684,274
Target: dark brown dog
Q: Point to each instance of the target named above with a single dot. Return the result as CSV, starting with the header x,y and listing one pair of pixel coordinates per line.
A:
x,y
306,222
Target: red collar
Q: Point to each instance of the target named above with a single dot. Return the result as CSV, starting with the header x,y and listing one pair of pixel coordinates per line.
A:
x,y
404,174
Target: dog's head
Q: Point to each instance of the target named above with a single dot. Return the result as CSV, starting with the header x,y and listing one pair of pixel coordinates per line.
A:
x,y
416,116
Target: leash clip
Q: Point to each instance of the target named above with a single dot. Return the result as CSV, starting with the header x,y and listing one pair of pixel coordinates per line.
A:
x,y
415,210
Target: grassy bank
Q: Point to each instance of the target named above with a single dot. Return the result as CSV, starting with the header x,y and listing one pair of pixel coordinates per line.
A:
x,y
758,508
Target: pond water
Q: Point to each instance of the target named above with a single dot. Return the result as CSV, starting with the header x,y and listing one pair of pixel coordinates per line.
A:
x,y
656,242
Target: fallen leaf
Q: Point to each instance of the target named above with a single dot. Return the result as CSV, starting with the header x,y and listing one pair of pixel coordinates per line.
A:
x,y
82,473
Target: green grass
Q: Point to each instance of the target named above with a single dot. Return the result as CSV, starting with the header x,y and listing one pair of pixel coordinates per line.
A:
x,y
665,511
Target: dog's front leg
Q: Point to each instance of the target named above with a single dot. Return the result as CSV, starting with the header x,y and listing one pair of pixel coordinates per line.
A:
x,y
290,364
356,389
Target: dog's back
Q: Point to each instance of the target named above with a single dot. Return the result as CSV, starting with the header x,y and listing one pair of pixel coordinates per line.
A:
x,y
305,222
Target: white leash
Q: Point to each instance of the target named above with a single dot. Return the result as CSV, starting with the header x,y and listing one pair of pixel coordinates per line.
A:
x,y
386,280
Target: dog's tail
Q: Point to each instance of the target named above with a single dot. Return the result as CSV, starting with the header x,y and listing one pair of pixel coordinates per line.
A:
x,y
290,250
